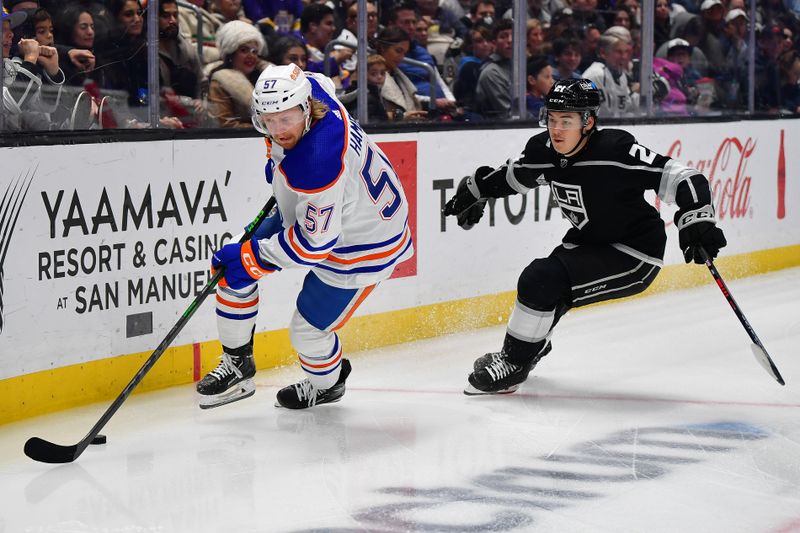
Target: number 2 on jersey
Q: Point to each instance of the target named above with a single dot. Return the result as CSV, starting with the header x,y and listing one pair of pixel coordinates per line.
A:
x,y
385,179
642,154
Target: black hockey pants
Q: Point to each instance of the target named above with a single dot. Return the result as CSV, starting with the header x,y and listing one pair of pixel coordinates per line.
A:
x,y
569,277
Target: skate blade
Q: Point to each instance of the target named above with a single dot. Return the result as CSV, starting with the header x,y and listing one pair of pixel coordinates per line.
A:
x,y
472,391
240,391
279,406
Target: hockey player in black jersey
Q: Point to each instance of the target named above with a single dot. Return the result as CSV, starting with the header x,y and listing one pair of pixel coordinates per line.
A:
x,y
616,245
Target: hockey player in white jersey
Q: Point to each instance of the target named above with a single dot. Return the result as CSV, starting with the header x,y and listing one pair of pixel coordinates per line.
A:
x,y
341,212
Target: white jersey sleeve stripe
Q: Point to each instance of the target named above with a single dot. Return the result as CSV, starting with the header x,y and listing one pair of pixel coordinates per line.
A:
x,y
298,239
674,172
404,253
370,247
373,256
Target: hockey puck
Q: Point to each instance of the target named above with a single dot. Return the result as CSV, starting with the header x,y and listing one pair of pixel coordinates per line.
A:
x,y
99,439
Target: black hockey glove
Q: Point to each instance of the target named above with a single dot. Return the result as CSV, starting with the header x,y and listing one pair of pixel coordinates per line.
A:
x,y
464,204
697,227
661,87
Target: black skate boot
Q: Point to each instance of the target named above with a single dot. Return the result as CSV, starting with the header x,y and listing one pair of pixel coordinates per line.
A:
x,y
304,395
484,360
493,373
231,381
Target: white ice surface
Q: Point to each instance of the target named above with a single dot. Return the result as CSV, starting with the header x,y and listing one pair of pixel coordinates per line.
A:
x,y
650,415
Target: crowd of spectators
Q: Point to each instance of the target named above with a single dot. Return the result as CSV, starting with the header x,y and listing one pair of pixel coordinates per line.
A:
x,y
83,63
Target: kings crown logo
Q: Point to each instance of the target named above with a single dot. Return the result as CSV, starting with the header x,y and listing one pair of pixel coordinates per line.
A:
x,y
10,207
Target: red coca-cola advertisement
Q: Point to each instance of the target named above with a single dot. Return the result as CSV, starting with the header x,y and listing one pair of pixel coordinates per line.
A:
x,y
727,172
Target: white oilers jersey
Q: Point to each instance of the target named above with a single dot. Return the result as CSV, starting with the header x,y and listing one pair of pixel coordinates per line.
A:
x,y
344,210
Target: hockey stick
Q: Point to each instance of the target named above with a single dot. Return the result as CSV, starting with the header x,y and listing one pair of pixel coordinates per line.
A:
x,y
758,349
48,452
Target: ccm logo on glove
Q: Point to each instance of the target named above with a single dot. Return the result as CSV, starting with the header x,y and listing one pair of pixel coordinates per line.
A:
x,y
705,214
243,266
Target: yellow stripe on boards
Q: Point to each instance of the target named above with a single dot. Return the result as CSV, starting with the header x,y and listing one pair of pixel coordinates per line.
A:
x,y
63,388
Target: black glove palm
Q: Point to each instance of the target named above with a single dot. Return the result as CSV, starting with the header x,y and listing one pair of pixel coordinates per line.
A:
x,y
696,229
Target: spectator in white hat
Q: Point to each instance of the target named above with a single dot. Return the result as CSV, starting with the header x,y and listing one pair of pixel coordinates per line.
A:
x,y
734,40
231,79
680,51
733,79
712,13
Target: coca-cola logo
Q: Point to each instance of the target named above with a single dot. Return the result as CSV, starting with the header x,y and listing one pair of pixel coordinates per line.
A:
x,y
726,173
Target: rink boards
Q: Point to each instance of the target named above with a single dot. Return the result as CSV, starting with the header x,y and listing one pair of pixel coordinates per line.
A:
x,y
103,247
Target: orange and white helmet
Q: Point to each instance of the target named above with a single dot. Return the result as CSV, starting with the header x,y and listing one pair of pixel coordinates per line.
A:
x,y
281,87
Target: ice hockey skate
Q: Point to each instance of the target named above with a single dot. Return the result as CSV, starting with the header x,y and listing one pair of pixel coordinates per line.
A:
x,y
303,395
231,381
498,376
484,360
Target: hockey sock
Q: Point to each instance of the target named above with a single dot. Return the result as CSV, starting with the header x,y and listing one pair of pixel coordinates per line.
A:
x,y
319,351
236,315
520,352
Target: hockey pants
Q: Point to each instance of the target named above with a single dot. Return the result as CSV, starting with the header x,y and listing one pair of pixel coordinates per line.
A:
x,y
569,277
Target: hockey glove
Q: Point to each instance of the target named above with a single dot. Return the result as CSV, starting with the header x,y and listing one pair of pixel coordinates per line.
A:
x,y
243,266
697,227
467,204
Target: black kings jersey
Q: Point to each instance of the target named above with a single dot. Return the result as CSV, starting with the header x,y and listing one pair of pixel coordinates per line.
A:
x,y
600,190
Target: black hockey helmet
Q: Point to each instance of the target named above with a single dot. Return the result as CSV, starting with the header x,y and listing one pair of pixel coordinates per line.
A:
x,y
579,95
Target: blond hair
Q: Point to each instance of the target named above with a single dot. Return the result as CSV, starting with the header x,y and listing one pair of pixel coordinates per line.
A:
x,y
318,109
375,59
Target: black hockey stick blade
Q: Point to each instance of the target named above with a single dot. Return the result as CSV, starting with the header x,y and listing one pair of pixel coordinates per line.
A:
x,y
48,452
757,347
766,362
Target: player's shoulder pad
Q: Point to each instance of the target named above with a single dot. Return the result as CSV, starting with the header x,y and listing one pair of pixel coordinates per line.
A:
x,y
317,162
323,81
538,142
612,141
